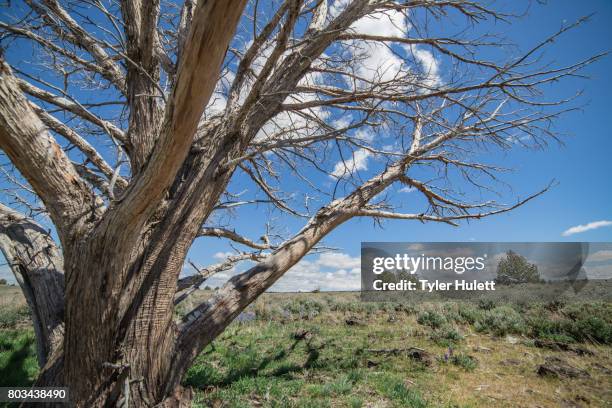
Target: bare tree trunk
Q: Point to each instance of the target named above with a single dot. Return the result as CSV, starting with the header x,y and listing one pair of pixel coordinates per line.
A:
x,y
37,265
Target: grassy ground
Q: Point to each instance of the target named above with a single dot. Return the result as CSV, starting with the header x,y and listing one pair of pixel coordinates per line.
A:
x,y
331,350
18,365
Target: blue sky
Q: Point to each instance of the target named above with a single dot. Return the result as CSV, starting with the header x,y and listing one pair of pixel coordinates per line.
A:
x,y
581,167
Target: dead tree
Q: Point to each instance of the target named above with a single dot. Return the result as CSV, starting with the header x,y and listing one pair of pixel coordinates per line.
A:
x,y
129,126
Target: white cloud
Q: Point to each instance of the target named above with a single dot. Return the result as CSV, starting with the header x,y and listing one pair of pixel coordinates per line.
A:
x,y
429,65
364,134
586,227
406,189
342,122
222,256
376,61
338,260
390,23
302,126
218,100
330,272
359,161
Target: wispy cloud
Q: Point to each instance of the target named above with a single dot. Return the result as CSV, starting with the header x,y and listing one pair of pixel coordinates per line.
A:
x,y
359,161
406,189
338,260
586,227
331,272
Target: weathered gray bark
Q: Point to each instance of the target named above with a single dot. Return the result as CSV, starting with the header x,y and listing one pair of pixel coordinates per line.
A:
x,y
38,267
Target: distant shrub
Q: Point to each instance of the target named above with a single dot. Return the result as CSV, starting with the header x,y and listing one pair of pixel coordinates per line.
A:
x,y
500,321
579,311
576,322
305,308
592,328
265,311
431,318
555,305
486,304
12,316
357,307
446,336
386,306
468,313
405,307
464,361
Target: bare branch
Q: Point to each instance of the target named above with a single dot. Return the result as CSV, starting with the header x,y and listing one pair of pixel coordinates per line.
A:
x,y
24,138
233,236
73,137
72,107
83,39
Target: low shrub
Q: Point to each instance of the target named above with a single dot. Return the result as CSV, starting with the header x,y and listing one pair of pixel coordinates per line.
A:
x,y
431,318
501,321
468,313
10,317
486,304
573,323
446,336
464,361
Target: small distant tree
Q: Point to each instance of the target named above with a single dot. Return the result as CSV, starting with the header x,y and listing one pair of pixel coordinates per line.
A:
x,y
514,269
388,277
2,281
403,275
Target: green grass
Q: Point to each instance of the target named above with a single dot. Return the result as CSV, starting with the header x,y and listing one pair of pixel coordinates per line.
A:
x,y
18,365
